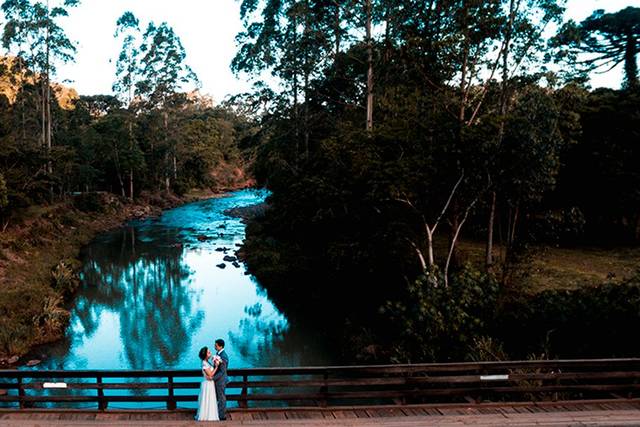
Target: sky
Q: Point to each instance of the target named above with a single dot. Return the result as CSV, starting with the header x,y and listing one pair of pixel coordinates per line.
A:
x,y
207,29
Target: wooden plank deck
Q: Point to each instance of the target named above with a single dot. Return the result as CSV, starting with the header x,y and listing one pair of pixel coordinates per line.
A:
x,y
620,412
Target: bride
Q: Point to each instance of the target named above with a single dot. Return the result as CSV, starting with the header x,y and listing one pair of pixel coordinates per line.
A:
x,y
207,402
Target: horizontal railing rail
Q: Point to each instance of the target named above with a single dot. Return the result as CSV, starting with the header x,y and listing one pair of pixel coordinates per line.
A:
x,y
332,385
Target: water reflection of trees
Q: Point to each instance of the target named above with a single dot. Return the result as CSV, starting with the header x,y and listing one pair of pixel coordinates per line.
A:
x,y
269,340
140,276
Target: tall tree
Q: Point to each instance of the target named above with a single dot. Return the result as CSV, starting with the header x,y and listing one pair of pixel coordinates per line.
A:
x,y
32,29
163,73
127,75
608,39
521,50
128,28
296,40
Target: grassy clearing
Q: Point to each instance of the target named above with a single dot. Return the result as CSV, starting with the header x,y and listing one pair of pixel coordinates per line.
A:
x,y
566,268
571,268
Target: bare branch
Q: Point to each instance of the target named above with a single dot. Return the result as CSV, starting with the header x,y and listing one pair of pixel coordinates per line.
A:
x,y
453,191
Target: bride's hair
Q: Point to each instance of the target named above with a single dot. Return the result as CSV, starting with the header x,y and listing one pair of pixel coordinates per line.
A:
x,y
203,353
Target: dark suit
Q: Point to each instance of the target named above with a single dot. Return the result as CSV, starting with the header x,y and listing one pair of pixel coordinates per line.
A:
x,y
220,378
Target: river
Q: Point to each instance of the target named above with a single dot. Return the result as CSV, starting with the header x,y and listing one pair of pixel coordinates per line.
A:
x,y
153,294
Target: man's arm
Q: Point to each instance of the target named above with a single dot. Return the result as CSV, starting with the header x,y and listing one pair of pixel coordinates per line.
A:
x,y
222,368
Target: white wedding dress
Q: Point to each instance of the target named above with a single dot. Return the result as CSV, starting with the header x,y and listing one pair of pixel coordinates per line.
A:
x,y
207,402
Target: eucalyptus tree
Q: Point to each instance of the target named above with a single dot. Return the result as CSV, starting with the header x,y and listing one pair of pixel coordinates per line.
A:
x,y
465,58
296,40
127,74
33,32
608,39
163,73
521,52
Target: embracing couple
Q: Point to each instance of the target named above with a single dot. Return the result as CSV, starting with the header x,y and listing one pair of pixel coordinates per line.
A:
x,y
212,401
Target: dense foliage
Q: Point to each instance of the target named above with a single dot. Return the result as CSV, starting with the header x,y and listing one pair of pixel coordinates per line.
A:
x,y
472,137
156,133
394,130
581,323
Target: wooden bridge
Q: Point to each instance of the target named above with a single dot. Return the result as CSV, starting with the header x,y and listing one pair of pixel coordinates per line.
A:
x,y
557,392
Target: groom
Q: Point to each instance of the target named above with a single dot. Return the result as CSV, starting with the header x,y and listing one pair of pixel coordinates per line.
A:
x,y
220,378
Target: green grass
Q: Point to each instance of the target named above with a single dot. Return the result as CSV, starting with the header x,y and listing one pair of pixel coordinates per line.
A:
x,y
571,268
551,267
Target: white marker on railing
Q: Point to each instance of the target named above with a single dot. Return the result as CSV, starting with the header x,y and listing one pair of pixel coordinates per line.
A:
x,y
54,385
494,377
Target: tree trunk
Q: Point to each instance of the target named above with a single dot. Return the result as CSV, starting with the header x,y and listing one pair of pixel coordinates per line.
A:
x,y
47,107
430,249
338,31
513,224
511,230
369,69
43,116
492,213
131,185
119,172
175,166
167,179
131,153
296,121
455,224
454,240
121,182
22,100
463,72
630,62
306,84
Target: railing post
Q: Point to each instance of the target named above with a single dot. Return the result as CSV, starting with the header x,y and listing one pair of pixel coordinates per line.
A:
x,y
20,393
102,402
324,390
171,401
480,397
244,403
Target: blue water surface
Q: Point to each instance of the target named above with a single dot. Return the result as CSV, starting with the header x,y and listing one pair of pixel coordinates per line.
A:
x,y
152,296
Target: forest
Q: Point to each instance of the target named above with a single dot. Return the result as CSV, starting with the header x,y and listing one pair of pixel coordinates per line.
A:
x,y
421,156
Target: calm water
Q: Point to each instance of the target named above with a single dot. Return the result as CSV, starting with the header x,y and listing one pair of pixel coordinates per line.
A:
x,y
152,296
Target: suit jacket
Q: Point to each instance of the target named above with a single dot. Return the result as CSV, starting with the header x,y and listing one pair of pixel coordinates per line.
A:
x,y
221,373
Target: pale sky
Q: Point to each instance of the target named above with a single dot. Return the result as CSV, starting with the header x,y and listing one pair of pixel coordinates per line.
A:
x,y
207,29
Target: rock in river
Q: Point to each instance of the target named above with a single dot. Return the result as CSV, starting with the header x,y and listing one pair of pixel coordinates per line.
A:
x,y
222,265
229,258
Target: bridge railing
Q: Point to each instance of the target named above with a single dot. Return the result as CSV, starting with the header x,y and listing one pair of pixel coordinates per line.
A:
x,y
334,385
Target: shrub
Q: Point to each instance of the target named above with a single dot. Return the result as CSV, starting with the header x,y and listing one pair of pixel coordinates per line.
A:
x,y
89,202
437,322
52,319
64,279
592,321
14,338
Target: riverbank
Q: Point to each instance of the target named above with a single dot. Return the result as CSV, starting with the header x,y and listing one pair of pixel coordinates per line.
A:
x,y
39,260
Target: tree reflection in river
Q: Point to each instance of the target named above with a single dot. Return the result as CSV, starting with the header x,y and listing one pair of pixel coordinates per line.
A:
x,y
154,293
145,283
